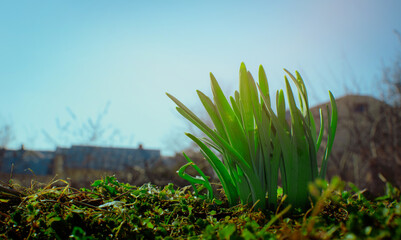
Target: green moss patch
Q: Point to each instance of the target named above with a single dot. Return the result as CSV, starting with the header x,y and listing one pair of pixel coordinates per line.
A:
x,y
115,210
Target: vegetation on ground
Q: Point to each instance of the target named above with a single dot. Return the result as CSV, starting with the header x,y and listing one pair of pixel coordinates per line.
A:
x,y
256,144
114,210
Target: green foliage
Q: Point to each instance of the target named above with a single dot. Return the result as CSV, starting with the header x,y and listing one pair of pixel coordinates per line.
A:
x,y
149,212
256,143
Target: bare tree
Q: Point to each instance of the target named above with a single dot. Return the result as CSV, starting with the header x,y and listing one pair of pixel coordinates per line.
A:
x,y
93,131
371,150
391,77
6,135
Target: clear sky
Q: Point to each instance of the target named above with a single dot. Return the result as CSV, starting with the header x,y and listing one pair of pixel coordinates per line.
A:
x,y
63,57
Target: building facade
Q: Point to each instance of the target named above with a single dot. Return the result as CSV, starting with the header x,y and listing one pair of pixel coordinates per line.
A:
x,y
75,157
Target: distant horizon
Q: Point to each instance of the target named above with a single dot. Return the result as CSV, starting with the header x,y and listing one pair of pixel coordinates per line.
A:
x,y
145,148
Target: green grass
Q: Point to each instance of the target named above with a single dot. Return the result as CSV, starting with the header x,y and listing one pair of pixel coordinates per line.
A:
x,y
114,210
256,143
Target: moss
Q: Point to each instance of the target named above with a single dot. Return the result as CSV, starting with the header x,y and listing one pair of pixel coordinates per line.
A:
x,y
114,210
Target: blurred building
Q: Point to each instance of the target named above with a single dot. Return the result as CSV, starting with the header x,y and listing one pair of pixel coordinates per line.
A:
x,y
76,157
26,161
118,159
367,144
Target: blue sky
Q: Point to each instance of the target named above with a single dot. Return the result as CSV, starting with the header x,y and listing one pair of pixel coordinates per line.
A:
x,y
58,57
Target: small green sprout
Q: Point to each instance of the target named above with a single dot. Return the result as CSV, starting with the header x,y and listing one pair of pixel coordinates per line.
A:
x,y
256,144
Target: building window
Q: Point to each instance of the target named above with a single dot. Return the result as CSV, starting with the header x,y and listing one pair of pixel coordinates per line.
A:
x,y
360,107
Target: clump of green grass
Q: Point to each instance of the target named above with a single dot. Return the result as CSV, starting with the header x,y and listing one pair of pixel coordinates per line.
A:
x,y
114,210
257,143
